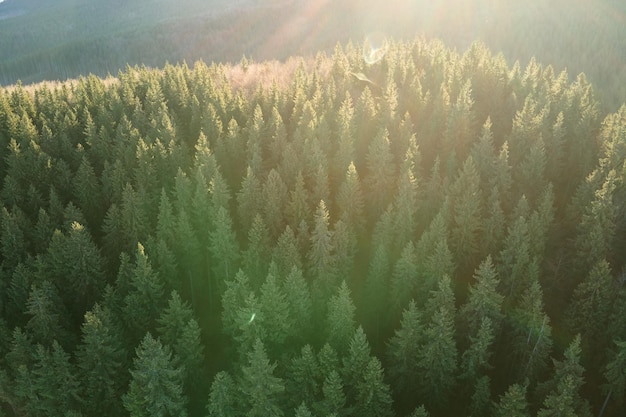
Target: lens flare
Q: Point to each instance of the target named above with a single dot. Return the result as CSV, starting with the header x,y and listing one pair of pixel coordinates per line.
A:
x,y
375,47
252,318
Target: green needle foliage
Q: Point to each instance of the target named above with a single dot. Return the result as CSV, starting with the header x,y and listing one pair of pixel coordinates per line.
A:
x,y
289,238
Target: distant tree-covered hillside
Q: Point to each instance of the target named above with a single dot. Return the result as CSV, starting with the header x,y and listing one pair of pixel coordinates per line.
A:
x,y
427,234
61,39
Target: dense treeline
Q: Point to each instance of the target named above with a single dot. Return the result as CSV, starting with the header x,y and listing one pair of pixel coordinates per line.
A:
x,y
69,38
432,234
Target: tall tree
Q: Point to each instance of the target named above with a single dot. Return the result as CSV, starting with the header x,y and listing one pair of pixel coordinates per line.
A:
x,y
590,309
224,248
53,387
467,201
73,262
255,258
274,200
47,317
258,386
340,319
334,399
531,338
156,386
380,174
145,298
483,301
437,359
223,397
249,199
101,359
403,351
512,403
180,331
404,277
563,388
303,378
274,308
615,374
350,204
298,297
321,255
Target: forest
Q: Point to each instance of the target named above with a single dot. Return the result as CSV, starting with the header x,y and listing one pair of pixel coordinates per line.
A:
x,y
69,38
434,233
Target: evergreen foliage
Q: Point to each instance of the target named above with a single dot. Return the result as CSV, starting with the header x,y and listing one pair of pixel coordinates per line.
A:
x,y
408,237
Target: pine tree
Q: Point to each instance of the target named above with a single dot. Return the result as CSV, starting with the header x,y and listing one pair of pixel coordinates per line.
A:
x,y
298,297
303,411
479,401
321,256
101,359
12,239
380,171
188,252
274,308
249,199
255,259
373,397
274,199
475,360
223,247
74,263
590,308
615,374
465,229
334,399
405,209
419,412
350,204
484,301
223,397
344,241
286,254
88,194
238,292
179,330
328,360
563,398
156,386
258,386
404,277
512,403
47,315
54,387
437,359
403,350
597,226
515,258
298,207
532,334
145,298
340,319
303,378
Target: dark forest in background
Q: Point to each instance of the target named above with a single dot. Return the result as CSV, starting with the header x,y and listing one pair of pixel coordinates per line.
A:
x,y
433,234
61,39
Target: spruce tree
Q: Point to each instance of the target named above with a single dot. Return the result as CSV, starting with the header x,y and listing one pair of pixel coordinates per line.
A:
x,y
101,359
259,388
156,386
437,359
303,378
340,323
512,403
223,397
224,248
